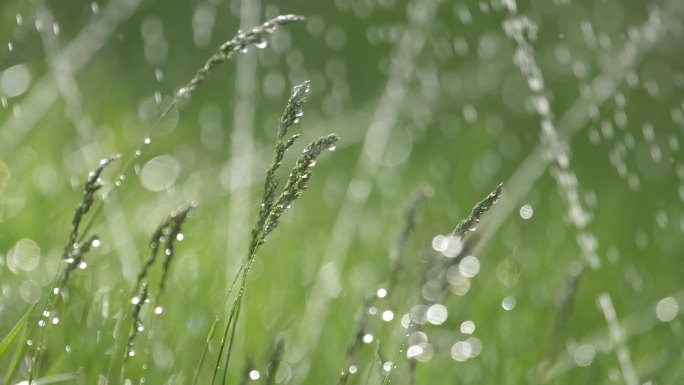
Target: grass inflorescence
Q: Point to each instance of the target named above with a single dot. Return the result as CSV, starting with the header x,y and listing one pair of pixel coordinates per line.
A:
x,y
77,245
137,324
165,235
256,36
470,223
273,205
436,275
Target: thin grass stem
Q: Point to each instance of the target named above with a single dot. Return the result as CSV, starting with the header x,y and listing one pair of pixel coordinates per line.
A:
x,y
274,204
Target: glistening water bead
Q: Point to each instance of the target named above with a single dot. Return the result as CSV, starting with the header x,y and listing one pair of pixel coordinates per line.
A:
x,y
387,315
382,292
254,375
526,212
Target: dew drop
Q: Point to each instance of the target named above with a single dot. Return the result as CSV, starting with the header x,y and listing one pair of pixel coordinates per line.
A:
x,y
158,310
382,292
508,303
254,375
526,212
387,315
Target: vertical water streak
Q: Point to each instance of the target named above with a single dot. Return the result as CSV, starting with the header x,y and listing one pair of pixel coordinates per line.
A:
x,y
522,31
617,336
242,143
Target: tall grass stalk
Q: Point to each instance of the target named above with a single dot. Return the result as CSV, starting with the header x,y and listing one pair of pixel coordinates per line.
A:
x,y
167,233
463,228
396,259
273,205
72,256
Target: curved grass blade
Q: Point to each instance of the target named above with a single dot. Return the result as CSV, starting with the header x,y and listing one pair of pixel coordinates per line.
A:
x,y
14,332
210,336
16,359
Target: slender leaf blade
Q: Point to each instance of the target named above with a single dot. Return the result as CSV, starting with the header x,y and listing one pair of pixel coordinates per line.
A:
x,y
14,333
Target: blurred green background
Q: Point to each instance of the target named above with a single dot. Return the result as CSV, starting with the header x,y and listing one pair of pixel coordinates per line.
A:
x,y
577,106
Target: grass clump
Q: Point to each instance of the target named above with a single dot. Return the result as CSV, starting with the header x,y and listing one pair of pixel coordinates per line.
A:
x,y
278,196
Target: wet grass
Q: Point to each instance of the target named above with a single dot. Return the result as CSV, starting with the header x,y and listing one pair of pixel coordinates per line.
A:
x,y
204,311
275,202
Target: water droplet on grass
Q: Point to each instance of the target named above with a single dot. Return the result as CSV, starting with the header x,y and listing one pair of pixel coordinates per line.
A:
x,y
508,303
526,212
254,375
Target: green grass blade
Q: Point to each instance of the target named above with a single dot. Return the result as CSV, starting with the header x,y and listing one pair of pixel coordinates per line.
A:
x,y
12,335
210,336
16,359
